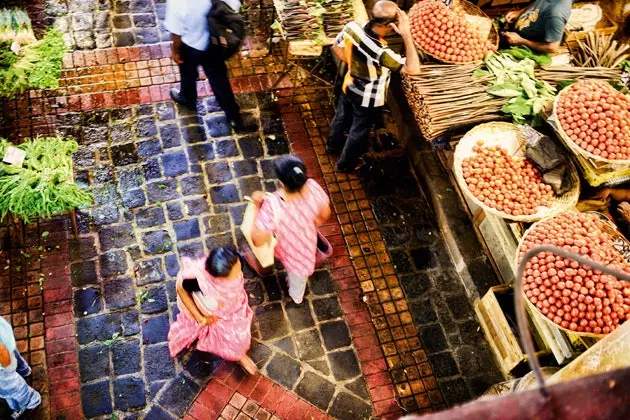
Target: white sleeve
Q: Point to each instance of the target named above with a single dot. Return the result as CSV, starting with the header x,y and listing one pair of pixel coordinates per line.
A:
x,y
234,4
173,21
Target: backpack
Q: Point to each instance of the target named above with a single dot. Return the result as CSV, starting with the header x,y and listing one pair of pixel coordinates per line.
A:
x,y
225,23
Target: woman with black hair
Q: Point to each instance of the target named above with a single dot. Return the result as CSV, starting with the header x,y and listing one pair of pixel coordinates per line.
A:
x,y
302,205
214,309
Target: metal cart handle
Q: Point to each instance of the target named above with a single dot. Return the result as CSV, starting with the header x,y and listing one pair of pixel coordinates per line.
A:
x,y
519,305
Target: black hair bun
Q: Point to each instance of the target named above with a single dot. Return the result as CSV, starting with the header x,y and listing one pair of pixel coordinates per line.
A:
x,y
291,171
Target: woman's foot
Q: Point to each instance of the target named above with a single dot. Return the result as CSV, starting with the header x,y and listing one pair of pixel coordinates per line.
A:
x,y
248,365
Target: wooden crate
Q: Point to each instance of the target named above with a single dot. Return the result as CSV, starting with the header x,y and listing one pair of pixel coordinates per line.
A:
x,y
503,342
606,26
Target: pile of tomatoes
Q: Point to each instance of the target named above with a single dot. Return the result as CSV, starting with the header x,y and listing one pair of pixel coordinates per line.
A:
x,y
575,296
446,34
511,185
597,118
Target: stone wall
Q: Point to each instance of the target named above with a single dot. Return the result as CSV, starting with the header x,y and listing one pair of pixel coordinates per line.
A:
x,y
91,24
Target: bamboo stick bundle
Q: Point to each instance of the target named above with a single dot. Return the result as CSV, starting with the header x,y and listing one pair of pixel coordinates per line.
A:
x,y
555,74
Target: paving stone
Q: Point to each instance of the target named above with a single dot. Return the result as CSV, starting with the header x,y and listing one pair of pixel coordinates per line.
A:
x,y
162,190
192,249
103,175
443,364
126,357
113,263
259,353
348,407
157,242
448,281
320,366
251,147
359,387
217,223
145,127
459,306
316,390
150,217
425,234
470,332
475,360
87,301
158,363
344,365
155,329
174,211
286,345
84,158
155,388
218,126
105,215
155,301
157,413
147,36
149,148
424,258
299,316
129,178
174,164
194,134
116,236
200,365
255,293
455,391
395,235
187,229
83,273
327,308
193,185
197,207
480,384
98,328
143,110
433,339
226,148
119,293
309,345
149,271
151,169
401,261
271,321
335,334
218,172
123,39
171,136
244,167
423,312
129,393
82,249
94,362
133,199
284,370
268,170
120,133
224,194
165,111
95,399
271,124
172,265
249,185
416,285
144,20
179,394
238,213
125,154
321,283
130,323
104,194
276,145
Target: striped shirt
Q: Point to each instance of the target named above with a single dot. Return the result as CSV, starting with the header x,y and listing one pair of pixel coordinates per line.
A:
x,y
370,62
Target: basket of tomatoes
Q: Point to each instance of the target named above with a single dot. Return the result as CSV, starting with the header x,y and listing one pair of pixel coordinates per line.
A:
x,y
593,119
452,35
568,295
491,169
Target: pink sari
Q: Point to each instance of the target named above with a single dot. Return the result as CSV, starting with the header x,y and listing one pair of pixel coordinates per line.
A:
x,y
230,336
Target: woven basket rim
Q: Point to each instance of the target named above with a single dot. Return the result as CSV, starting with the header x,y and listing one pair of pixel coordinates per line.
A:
x,y
572,145
531,305
559,203
468,7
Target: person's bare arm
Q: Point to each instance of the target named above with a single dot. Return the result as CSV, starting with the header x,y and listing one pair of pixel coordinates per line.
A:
x,y
323,215
340,52
177,44
620,195
5,356
513,15
544,47
412,61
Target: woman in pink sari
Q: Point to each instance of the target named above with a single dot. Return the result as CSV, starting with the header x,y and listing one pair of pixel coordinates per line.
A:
x,y
214,309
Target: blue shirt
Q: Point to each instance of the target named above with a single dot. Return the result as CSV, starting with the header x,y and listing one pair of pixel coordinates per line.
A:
x,y
8,340
544,20
189,19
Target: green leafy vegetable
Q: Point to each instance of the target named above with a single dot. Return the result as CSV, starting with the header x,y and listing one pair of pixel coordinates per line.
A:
x,y
522,52
506,90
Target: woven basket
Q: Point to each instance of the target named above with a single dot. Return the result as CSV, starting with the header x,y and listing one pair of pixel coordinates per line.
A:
x,y
508,136
571,144
472,10
608,228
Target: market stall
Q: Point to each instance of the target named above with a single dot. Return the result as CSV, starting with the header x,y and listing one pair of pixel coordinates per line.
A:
x,y
521,186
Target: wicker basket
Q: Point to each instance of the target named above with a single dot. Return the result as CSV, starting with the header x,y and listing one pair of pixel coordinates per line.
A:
x,y
508,136
618,164
472,10
608,228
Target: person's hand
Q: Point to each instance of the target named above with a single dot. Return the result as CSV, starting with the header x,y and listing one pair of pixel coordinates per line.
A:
x,y
210,319
603,194
258,197
513,38
624,211
402,25
512,16
177,57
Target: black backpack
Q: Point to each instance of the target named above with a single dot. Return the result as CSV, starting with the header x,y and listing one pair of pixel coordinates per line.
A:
x,y
228,24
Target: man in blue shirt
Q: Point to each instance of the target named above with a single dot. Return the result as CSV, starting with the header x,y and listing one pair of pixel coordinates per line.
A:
x,y
13,369
187,21
540,26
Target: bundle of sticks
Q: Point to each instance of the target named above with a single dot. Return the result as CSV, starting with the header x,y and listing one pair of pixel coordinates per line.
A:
x,y
444,96
299,19
337,13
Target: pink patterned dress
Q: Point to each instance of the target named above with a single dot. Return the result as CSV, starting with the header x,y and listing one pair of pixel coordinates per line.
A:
x,y
230,336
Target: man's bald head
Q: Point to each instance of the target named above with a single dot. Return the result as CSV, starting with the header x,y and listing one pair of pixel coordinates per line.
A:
x,y
384,9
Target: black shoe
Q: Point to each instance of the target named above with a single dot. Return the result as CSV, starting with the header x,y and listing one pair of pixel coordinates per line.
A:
x,y
176,96
237,125
332,150
348,170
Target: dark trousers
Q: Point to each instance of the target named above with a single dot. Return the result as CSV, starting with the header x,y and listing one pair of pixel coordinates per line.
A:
x,y
351,117
216,72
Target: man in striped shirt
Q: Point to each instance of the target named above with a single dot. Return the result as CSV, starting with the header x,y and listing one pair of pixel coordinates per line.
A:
x,y
370,63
